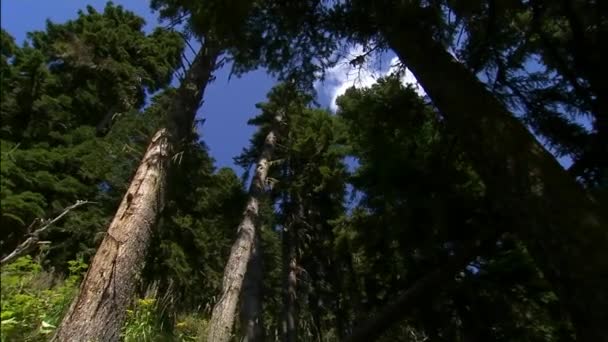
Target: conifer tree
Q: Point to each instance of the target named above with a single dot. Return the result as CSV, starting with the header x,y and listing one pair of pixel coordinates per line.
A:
x,y
224,311
514,166
98,311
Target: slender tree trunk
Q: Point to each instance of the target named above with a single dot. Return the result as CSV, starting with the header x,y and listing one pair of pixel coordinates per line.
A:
x,y
251,301
561,225
290,283
223,315
98,312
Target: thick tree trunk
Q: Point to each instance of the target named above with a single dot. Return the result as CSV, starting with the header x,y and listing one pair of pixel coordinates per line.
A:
x,y
98,312
252,328
223,315
561,225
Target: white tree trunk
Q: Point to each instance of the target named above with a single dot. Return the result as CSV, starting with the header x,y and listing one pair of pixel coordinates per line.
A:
x,y
223,315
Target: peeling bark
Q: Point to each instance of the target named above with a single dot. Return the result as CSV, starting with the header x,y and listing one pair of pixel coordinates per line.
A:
x,y
223,315
99,310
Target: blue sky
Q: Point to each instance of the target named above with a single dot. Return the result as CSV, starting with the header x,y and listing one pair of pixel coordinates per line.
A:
x,y
228,104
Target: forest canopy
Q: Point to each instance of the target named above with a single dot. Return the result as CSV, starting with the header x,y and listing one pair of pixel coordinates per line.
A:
x,y
440,210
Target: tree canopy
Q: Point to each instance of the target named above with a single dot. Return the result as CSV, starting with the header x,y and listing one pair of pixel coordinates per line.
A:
x,y
398,217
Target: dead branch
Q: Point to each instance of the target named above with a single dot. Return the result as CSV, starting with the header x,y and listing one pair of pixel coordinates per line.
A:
x,y
34,236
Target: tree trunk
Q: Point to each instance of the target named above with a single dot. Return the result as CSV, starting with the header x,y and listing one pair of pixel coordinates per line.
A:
x,y
290,282
561,225
223,315
98,312
251,302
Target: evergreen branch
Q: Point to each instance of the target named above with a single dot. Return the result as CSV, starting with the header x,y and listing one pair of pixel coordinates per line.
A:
x,y
34,237
187,41
443,276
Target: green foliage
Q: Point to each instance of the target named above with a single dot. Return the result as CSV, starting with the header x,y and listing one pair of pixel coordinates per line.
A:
x,y
62,92
563,88
74,127
191,246
190,327
417,188
33,300
142,322
145,323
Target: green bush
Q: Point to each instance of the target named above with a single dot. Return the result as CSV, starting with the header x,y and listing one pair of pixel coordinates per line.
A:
x,y
34,300
189,327
142,322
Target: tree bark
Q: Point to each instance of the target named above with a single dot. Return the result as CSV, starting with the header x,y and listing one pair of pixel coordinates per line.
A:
x,y
223,315
561,225
251,301
98,312
290,277
290,271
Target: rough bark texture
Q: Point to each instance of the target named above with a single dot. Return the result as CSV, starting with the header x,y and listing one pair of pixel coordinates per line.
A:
x,y
252,328
290,281
189,95
561,225
223,315
99,310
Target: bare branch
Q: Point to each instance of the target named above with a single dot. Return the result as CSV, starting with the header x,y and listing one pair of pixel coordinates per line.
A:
x,y
34,237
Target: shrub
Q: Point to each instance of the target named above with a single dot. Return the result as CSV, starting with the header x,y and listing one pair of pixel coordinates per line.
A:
x,y
33,300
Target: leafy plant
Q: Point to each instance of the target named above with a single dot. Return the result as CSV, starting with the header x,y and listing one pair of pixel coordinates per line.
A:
x,y
142,321
33,300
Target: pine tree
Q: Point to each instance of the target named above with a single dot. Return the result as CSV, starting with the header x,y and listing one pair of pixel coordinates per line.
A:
x,y
51,152
99,310
222,318
521,174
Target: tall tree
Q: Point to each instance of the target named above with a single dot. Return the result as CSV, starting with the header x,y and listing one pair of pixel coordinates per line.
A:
x,y
515,167
58,87
250,311
222,318
542,59
100,308
521,174
522,177
415,182
307,189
